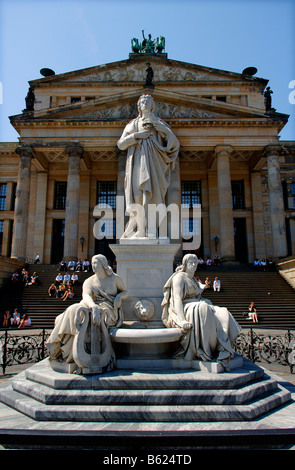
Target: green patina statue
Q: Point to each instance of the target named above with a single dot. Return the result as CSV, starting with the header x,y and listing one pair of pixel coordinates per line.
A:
x,y
148,45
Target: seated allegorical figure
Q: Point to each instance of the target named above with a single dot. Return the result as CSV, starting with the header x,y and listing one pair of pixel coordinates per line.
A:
x,y
208,331
102,293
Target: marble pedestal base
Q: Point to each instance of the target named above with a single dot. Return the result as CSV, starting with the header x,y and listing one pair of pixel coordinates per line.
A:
x,y
145,267
144,396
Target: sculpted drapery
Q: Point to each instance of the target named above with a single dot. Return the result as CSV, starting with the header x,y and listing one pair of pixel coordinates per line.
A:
x,y
209,330
102,295
152,152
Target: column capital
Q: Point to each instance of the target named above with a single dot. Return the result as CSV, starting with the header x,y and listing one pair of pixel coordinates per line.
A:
x,y
272,150
223,150
25,151
74,151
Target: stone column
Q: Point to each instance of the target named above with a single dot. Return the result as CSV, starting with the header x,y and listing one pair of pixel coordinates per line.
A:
x,y
258,216
7,222
73,202
276,202
226,235
21,212
40,214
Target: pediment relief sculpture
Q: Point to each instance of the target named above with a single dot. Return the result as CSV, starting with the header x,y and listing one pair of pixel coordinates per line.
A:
x,y
137,73
164,110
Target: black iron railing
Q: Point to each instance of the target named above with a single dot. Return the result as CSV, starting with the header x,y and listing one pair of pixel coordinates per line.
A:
x,y
268,347
22,348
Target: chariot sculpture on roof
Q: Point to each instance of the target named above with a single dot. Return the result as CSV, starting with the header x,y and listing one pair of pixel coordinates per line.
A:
x,y
148,45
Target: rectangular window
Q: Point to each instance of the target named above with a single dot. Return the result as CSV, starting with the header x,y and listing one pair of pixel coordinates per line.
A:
x,y
293,194
14,189
1,234
191,198
221,98
238,194
190,228
107,228
285,194
60,195
3,192
106,194
191,195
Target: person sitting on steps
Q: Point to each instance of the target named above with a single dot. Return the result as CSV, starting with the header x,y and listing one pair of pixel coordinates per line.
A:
x,y
252,313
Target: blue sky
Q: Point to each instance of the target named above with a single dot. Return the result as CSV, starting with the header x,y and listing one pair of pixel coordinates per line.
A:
x,y
67,35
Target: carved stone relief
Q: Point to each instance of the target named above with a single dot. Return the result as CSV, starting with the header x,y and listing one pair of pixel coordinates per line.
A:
x,y
144,310
163,109
137,72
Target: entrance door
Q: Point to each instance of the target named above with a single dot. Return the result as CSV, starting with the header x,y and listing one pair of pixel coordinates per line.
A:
x,y
58,237
240,235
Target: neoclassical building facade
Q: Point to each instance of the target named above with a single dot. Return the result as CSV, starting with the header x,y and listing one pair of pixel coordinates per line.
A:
x,y
67,163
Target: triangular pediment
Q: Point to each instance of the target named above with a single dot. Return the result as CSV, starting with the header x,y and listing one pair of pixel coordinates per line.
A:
x,y
111,92
134,70
169,105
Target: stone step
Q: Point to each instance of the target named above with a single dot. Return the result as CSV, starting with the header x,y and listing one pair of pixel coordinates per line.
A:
x,y
242,394
43,374
48,396
144,413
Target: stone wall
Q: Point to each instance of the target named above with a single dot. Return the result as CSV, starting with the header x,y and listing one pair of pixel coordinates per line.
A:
x,y
286,268
7,267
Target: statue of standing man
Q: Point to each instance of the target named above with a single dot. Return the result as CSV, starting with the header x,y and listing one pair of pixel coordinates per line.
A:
x,y
152,152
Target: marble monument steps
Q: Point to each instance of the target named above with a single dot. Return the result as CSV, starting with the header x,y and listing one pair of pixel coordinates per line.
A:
x,y
242,394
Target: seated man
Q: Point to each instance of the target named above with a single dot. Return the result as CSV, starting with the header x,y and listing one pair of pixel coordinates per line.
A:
x,y
67,279
79,265
71,265
58,280
216,285
86,265
63,265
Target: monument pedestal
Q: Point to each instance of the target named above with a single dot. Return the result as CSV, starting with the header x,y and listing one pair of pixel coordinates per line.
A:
x,y
145,269
168,397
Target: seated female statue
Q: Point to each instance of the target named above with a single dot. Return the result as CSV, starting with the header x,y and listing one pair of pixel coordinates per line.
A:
x,y
209,331
103,294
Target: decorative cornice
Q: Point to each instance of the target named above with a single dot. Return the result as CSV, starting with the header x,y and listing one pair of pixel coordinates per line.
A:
x,y
210,122
170,83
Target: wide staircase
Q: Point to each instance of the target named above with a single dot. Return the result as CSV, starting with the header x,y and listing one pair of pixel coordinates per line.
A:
x,y
35,300
273,296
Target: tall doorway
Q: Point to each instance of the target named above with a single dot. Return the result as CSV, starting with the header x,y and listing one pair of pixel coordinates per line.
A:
x,y
58,238
240,237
